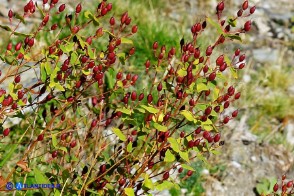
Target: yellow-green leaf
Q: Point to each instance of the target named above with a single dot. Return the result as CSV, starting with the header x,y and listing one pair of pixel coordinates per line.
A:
x,y
129,192
187,167
148,182
182,73
169,157
150,109
119,134
126,41
160,127
185,156
59,87
202,87
130,147
215,24
124,110
188,115
174,144
165,185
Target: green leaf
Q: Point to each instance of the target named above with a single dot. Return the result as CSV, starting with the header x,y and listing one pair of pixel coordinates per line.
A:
x,y
67,48
87,13
40,177
63,148
234,37
95,20
150,109
130,147
202,87
126,41
232,22
188,115
165,185
119,134
54,141
160,127
48,68
201,106
59,87
187,167
215,93
124,110
21,34
81,41
7,28
174,144
18,16
91,53
169,157
185,156
182,73
86,72
216,25
129,192
207,122
234,72
139,109
9,59
148,182
73,57
43,72
6,156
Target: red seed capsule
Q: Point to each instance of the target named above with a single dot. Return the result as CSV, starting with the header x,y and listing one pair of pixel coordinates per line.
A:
x,y
73,143
112,21
226,120
17,79
61,8
149,98
235,114
10,14
159,87
78,8
155,45
242,58
252,9
18,46
45,20
276,187
217,137
141,96
134,96
209,51
54,154
192,102
54,27
189,173
245,5
134,29
220,60
212,76
6,132
247,26
220,7
239,13
165,176
40,137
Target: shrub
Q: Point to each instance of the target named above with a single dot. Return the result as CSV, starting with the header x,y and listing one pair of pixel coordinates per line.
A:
x,y
89,127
